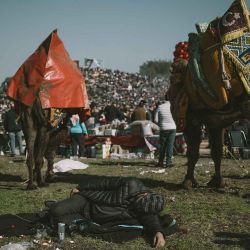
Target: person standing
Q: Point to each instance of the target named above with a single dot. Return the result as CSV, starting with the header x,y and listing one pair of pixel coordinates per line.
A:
x,y
77,132
167,126
2,136
111,112
13,127
140,113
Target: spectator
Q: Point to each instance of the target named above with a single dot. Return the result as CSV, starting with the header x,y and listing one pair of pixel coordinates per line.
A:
x,y
2,137
77,132
242,125
167,126
154,109
111,112
95,112
13,127
140,113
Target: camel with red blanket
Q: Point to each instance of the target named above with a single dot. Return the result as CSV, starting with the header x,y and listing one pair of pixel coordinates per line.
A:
x,y
47,81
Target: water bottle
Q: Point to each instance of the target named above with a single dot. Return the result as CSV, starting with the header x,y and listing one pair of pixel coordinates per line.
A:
x,y
152,155
93,152
61,231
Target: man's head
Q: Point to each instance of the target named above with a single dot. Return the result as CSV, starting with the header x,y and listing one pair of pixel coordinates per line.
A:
x,y
149,203
92,105
11,105
142,103
167,96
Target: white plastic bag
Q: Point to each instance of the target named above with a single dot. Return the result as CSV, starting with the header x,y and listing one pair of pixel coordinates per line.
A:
x,y
17,246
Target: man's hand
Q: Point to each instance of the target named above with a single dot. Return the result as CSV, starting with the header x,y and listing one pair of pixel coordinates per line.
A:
x,y
74,191
159,240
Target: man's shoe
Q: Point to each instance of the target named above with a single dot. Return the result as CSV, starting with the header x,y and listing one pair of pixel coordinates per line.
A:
x,y
169,224
170,165
49,203
159,165
172,228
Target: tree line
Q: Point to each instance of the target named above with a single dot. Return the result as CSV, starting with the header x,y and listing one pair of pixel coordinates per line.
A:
x,y
156,68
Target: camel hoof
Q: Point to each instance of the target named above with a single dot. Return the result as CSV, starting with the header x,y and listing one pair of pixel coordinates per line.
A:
x,y
31,186
216,182
43,184
190,183
49,177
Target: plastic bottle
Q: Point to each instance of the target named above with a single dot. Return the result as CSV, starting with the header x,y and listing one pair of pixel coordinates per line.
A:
x,y
61,231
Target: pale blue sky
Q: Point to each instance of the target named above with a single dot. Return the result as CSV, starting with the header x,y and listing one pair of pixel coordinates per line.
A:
x,y
124,33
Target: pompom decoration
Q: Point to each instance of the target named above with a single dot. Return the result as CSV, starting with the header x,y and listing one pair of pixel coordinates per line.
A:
x,y
181,51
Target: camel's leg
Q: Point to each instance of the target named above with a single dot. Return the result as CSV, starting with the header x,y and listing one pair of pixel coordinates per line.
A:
x,y
50,156
216,144
193,140
55,140
30,132
41,144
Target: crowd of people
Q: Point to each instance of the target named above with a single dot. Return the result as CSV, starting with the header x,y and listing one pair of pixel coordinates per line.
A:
x,y
114,96
105,85
123,90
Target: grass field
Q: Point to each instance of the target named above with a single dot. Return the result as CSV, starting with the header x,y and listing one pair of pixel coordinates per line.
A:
x,y
214,218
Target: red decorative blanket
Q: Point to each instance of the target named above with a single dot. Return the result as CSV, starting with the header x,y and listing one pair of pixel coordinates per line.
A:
x,y
50,74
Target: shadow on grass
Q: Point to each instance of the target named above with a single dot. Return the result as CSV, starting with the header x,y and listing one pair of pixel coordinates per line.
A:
x,y
81,178
19,160
163,184
73,178
237,177
119,163
11,187
246,196
10,178
233,239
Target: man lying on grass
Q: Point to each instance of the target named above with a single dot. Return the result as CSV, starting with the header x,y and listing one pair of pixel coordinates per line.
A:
x,y
114,209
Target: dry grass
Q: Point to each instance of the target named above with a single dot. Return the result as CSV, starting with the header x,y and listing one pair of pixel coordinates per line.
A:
x,y
215,219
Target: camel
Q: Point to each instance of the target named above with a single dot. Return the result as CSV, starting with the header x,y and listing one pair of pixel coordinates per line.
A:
x,y
42,140
48,80
210,87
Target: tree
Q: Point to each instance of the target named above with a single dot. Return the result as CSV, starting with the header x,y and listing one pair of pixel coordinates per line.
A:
x,y
156,68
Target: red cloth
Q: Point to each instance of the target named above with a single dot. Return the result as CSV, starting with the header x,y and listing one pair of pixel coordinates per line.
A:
x,y
50,73
126,141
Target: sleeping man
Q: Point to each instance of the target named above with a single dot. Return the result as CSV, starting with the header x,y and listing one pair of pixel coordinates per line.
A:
x,y
116,208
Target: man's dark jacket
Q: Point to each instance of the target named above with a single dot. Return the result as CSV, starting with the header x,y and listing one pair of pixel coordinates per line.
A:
x,y
110,200
10,121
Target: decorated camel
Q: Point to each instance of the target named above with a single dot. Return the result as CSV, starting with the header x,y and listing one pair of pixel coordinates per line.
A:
x,y
46,88
210,85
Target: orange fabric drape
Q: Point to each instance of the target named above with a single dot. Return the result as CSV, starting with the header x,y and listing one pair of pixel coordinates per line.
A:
x,y
50,74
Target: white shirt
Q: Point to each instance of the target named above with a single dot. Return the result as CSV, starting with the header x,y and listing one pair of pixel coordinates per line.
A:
x,y
163,117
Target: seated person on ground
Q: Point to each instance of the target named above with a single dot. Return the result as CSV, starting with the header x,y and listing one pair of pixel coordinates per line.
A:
x,y
114,203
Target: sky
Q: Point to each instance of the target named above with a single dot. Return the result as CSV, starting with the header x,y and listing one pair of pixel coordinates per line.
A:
x,y
123,33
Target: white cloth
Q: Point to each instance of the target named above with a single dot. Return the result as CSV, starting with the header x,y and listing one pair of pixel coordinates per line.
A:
x,y
68,165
